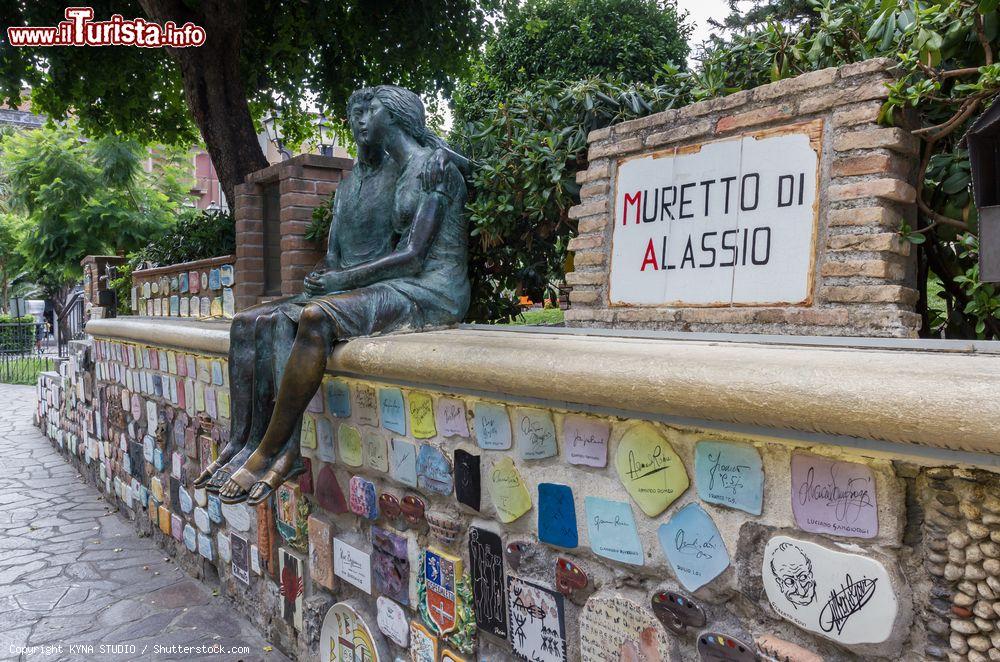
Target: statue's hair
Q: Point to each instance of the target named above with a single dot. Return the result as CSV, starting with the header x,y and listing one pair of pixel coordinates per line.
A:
x,y
407,110
360,95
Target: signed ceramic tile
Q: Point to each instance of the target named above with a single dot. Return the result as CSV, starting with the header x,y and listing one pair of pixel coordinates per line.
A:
x,y
393,412
324,440
489,588
468,480
365,405
421,408
585,440
612,532
694,546
286,500
363,501
177,527
352,565
237,516
729,474
508,492
338,398
492,426
205,546
846,597
403,462
190,538
650,470
376,451
434,470
449,413
392,621
308,437
184,499
349,445
538,627
222,544
835,497
320,552
615,628
557,515
215,508
202,520
534,434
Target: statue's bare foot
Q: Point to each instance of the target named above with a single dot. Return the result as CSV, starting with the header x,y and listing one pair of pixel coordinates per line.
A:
x,y
236,488
285,467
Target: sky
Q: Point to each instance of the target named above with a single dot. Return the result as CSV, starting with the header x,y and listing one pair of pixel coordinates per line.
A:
x,y
699,11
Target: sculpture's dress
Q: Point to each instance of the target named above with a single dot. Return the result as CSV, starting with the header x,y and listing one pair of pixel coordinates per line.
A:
x,y
438,294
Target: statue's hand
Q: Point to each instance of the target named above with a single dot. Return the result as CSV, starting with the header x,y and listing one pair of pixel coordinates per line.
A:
x,y
434,169
324,282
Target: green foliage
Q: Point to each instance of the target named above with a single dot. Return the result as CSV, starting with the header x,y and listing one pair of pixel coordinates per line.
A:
x,y
78,198
17,334
196,235
526,155
318,231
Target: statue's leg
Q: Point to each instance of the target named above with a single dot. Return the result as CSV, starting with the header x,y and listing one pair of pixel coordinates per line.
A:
x,y
259,392
303,374
242,356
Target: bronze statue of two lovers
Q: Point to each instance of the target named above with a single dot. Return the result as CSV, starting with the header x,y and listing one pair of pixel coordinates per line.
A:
x,y
396,261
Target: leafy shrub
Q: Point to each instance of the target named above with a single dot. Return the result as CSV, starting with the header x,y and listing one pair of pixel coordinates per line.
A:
x,y
17,334
197,235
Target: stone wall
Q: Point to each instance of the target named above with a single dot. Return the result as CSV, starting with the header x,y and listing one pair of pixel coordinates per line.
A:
x,y
863,272
607,520
200,289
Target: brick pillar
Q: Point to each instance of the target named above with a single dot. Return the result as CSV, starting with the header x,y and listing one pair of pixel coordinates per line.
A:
x,y
302,183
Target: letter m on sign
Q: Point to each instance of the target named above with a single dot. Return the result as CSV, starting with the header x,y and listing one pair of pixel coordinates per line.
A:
x,y
635,199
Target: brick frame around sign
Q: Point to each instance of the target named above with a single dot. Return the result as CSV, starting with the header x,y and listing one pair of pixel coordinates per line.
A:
x,y
864,272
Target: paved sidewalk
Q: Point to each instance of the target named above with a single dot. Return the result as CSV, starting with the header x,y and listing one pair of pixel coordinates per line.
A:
x,y
71,573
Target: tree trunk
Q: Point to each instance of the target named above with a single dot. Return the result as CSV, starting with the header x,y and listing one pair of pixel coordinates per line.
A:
x,y
213,85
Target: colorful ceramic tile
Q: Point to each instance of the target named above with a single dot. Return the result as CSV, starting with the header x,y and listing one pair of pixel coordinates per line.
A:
x,y
615,628
434,470
184,498
182,283
489,589
729,474
649,469
830,496
163,514
241,558
346,636
217,373
534,434
214,279
375,450
338,398
329,496
292,587
403,462
177,527
237,516
352,565
324,440
449,413
492,426
308,437
320,552
215,508
226,275
694,547
158,463
363,501
365,405
315,405
585,441
392,621
557,515
508,492
176,464
846,597
612,532
423,645
349,445
390,401
287,500
537,622
421,408
440,573
468,479
391,565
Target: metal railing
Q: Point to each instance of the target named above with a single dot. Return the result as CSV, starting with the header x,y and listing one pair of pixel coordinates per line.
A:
x,y
71,323
21,353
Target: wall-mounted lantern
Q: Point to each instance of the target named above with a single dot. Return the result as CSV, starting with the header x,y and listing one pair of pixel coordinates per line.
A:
x,y
983,140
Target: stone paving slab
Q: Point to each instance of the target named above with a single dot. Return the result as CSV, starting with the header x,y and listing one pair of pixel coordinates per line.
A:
x,y
72,573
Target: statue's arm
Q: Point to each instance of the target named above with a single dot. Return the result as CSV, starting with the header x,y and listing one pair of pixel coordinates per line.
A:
x,y
332,258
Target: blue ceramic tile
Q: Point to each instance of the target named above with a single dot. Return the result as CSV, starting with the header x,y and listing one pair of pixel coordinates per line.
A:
x,y
403,462
158,459
557,515
324,440
729,474
612,532
434,470
217,377
694,547
215,508
338,398
535,434
390,402
492,426
214,279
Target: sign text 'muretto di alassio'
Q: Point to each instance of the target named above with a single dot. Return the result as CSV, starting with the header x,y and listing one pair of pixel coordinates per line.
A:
x,y
730,222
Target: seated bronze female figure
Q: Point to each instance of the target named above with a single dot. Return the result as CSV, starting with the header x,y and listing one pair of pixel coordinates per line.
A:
x,y
396,261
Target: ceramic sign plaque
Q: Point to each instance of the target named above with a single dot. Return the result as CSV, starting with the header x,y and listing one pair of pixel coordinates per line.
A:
x,y
507,491
557,515
237,516
363,499
729,474
614,628
434,470
585,441
403,462
423,645
534,433
324,440
450,417
649,469
492,426
375,451
612,532
352,565
846,597
489,589
320,552
347,637
241,558
537,622
349,445
694,546
468,481
392,621
338,398
390,401
421,407
292,587
833,497
441,573
366,405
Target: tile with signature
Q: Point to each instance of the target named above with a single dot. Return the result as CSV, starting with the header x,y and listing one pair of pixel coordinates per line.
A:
x,y
492,426
534,433
612,532
557,515
831,496
729,474
390,401
468,485
650,470
694,546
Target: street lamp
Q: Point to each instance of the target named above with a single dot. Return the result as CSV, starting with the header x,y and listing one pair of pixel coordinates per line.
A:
x,y
327,138
272,128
